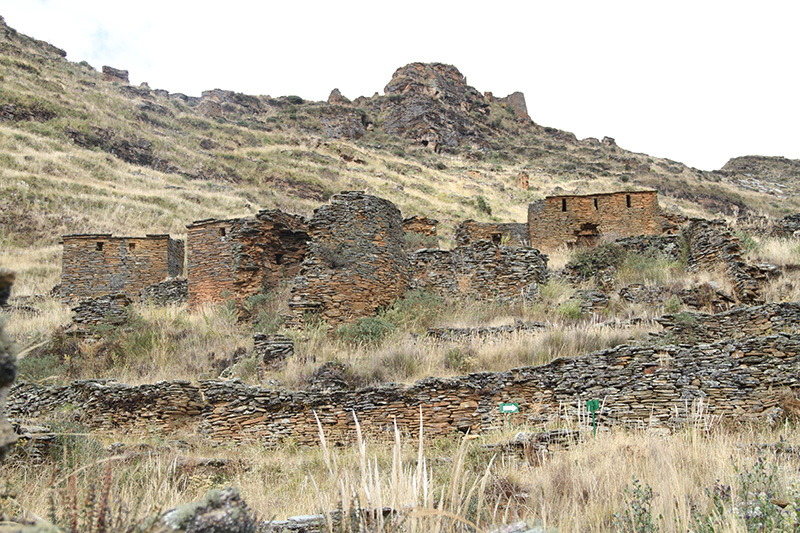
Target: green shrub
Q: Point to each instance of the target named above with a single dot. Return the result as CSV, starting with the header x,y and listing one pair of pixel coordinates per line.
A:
x,y
571,310
483,207
417,310
370,331
673,305
589,262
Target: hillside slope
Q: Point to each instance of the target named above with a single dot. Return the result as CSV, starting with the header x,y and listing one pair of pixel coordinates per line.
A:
x,y
80,154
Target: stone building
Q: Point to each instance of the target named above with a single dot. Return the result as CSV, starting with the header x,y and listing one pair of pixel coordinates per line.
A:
x,y
582,220
241,257
356,261
98,264
510,234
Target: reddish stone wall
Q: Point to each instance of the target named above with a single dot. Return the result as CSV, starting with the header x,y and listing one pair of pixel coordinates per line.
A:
x,y
422,225
244,256
512,234
582,220
98,264
356,262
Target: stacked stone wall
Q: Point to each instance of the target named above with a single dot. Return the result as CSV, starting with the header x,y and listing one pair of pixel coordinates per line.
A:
x,y
712,245
635,384
512,234
98,264
736,323
241,257
582,220
481,270
421,225
356,261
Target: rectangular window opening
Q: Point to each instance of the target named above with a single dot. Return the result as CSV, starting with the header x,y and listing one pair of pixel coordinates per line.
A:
x,y
595,204
99,246
628,199
563,204
131,246
221,232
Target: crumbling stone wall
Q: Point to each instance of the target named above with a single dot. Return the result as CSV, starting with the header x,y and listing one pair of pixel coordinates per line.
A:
x,y
98,264
109,309
421,225
356,261
581,220
636,384
243,256
481,270
712,245
736,323
513,234
170,292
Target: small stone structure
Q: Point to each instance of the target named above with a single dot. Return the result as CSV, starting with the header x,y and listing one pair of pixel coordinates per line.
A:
x,y
511,234
8,362
115,75
652,385
98,264
482,270
109,309
582,220
241,257
356,261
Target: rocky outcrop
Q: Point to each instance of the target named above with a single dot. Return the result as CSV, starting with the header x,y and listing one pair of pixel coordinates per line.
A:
x,y
337,98
339,122
131,150
8,366
220,511
516,103
431,103
112,74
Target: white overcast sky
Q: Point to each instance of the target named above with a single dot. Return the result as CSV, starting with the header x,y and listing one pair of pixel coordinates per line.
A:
x,y
694,81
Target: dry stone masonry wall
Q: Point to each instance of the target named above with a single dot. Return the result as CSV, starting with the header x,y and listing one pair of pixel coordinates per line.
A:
x,y
98,264
636,384
712,245
581,220
356,262
512,234
736,323
241,257
482,270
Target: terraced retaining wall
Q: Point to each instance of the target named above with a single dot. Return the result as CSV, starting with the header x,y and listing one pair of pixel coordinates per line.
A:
x,y
652,385
736,323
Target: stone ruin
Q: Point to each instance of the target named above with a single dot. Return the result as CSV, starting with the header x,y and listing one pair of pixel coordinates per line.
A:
x,y
241,257
481,270
654,385
356,261
8,365
112,74
582,220
508,234
98,264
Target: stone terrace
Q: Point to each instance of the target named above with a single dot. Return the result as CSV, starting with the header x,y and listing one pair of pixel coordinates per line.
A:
x,y
636,385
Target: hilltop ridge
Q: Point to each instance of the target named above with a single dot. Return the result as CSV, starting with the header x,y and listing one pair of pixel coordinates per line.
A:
x,y
82,154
